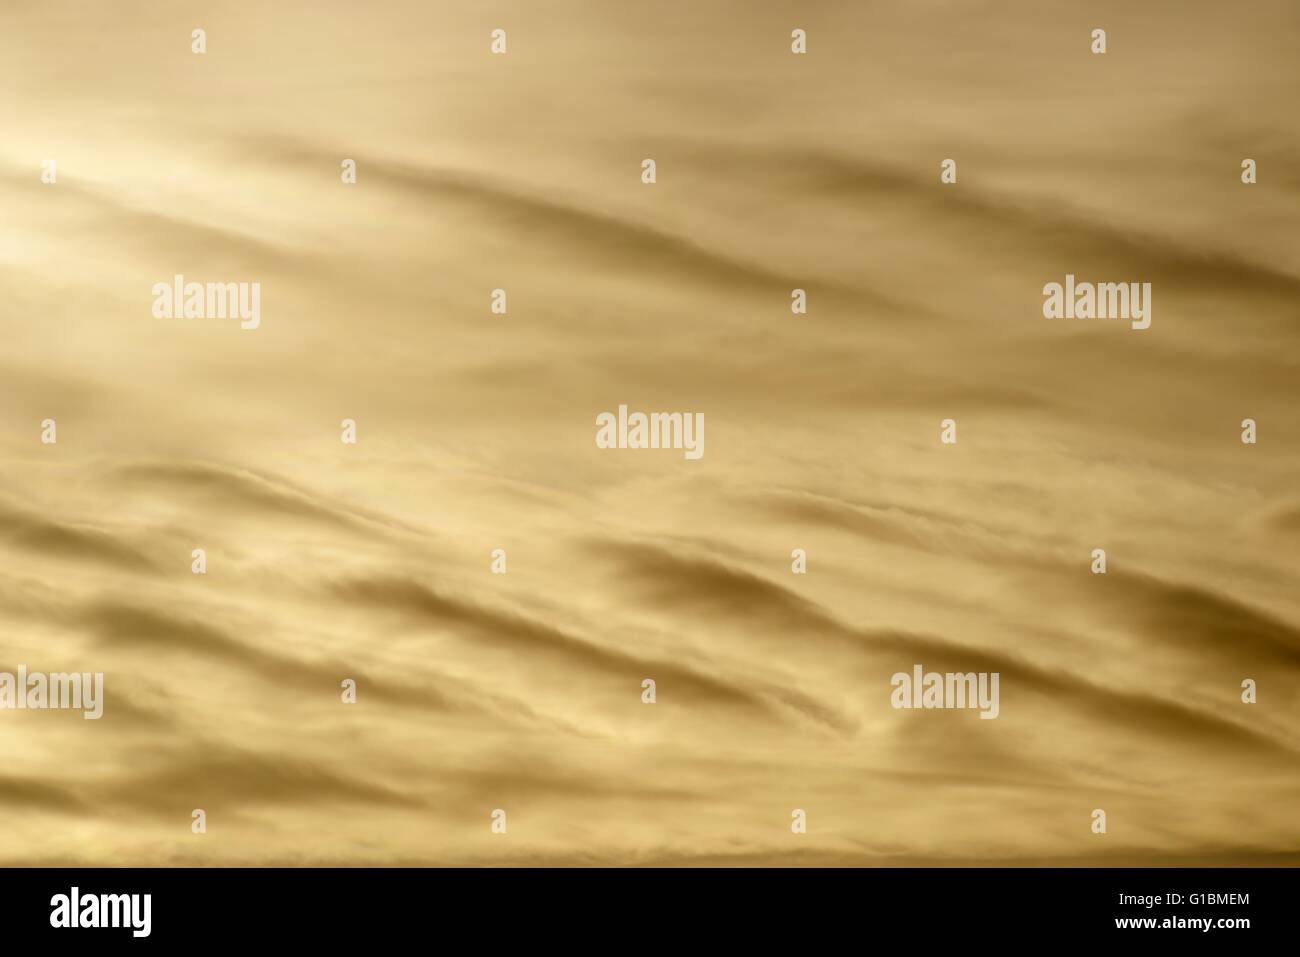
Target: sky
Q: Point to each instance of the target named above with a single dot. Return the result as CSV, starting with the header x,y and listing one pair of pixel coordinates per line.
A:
x,y
475,431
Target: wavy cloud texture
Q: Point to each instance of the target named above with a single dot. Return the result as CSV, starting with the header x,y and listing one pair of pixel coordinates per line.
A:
x,y
523,691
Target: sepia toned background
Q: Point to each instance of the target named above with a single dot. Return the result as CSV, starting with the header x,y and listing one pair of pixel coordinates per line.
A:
x,y
522,691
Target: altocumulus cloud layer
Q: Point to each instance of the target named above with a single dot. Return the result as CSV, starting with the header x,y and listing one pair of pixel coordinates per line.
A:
x,y
523,691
